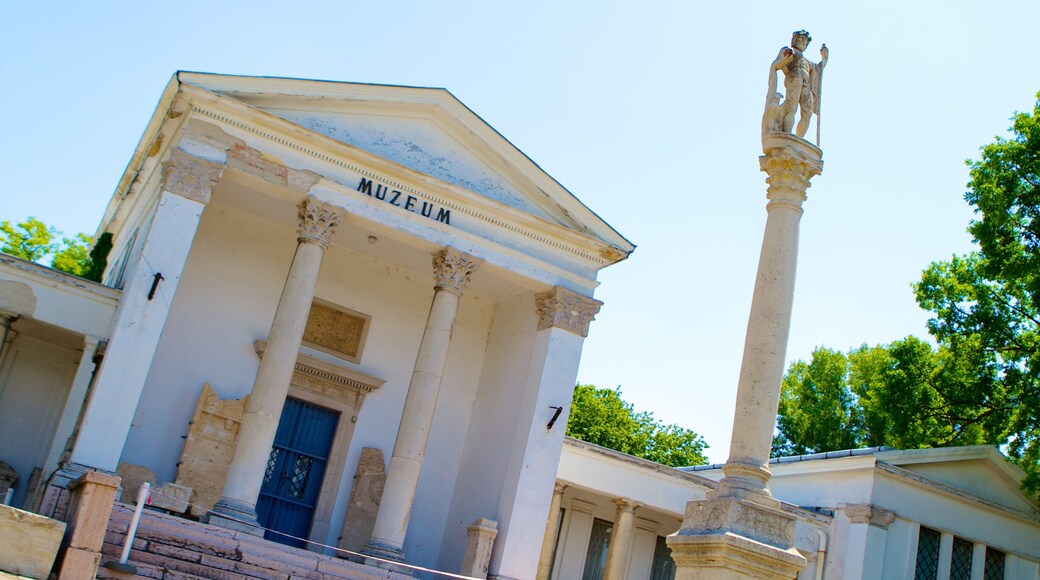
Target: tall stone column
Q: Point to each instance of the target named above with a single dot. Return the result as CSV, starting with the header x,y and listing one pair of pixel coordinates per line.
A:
x,y
739,531
256,436
552,527
619,550
452,270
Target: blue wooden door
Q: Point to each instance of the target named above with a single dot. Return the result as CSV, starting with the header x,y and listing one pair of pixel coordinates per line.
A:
x,y
295,470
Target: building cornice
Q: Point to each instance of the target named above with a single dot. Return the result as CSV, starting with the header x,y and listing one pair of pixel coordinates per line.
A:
x,y
45,276
887,470
226,111
434,104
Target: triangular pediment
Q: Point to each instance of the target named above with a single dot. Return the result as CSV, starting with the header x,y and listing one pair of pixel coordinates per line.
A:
x,y
977,470
426,130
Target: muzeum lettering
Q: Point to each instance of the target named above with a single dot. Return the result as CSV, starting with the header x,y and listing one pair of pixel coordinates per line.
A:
x,y
403,200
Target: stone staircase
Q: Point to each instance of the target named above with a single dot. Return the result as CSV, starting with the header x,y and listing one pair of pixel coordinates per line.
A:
x,y
169,547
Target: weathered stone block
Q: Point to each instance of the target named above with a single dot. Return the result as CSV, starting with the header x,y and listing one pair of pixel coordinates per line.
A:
x,y
209,447
172,497
133,477
30,542
479,543
79,564
364,500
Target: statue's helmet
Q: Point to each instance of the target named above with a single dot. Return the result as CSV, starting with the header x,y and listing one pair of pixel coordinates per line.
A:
x,y
804,33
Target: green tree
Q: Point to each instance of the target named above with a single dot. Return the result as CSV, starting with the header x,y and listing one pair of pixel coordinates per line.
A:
x,y
904,394
818,411
982,383
602,417
73,256
29,240
986,304
34,241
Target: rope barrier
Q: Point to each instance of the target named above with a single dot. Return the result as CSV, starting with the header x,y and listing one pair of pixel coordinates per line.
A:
x,y
318,544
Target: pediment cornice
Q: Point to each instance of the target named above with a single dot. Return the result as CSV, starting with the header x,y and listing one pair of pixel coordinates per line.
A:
x,y
340,158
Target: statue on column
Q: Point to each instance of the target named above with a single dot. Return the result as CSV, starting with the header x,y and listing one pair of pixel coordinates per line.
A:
x,y
802,83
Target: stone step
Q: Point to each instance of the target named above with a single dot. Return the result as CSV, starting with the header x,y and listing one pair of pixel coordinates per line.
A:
x,y
171,547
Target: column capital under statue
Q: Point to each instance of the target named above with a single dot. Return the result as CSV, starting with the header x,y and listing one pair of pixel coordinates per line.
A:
x,y
790,163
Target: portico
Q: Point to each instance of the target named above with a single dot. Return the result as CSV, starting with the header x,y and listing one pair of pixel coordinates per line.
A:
x,y
382,237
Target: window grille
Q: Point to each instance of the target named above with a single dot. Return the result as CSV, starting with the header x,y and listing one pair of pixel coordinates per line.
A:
x,y
994,568
596,557
927,554
663,566
960,564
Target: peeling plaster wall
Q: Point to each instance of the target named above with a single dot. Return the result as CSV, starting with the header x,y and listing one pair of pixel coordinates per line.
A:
x,y
417,144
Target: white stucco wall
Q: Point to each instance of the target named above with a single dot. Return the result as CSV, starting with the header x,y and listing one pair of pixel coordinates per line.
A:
x,y
227,299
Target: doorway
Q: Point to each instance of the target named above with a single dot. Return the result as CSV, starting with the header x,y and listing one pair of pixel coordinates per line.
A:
x,y
295,471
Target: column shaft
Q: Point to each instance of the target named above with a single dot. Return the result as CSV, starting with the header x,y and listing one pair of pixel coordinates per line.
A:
x,y
260,423
552,526
452,270
765,345
619,550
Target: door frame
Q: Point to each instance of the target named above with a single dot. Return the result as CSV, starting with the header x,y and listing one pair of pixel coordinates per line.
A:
x,y
338,389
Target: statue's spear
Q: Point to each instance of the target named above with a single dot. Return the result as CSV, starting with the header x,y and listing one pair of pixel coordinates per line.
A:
x,y
819,97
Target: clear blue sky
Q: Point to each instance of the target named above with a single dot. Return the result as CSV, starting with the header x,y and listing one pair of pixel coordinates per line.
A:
x,y
649,112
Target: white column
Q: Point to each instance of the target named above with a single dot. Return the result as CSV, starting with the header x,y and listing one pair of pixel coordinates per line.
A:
x,y
256,435
452,270
73,403
140,318
552,526
563,323
715,538
790,165
619,550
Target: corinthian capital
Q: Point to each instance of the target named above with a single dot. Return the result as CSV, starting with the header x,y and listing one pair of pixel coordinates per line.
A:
x,y
453,269
790,163
190,177
562,308
318,222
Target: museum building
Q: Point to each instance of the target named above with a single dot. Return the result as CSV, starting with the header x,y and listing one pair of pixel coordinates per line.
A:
x,y
350,316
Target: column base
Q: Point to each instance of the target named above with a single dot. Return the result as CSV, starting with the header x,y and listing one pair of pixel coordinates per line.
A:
x,y
235,515
385,556
731,539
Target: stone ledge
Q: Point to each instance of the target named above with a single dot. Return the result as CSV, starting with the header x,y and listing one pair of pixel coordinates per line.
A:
x,y
728,556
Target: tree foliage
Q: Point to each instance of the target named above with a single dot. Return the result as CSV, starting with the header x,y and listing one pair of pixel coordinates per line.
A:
x,y
982,382
34,241
986,304
602,417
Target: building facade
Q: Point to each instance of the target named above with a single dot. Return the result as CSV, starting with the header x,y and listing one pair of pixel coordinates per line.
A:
x,y
302,270
350,316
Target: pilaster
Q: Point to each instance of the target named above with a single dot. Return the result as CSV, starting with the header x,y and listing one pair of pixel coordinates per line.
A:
x,y
563,323
151,283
